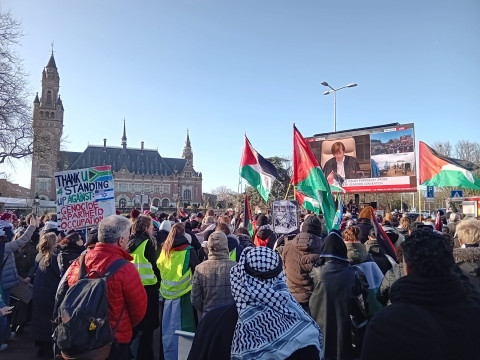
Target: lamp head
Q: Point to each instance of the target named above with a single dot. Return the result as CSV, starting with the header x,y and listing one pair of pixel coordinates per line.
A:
x,y
352,85
324,83
326,92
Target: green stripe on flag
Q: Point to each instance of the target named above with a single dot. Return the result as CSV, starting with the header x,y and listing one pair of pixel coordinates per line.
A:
x,y
255,180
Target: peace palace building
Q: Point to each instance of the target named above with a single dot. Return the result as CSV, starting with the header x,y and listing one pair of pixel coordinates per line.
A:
x,y
139,173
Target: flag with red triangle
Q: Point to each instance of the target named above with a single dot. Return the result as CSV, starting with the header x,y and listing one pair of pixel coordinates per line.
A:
x,y
438,170
335,186
309,179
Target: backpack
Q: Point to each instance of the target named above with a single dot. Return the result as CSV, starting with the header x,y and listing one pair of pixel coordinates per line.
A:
x,y
83,328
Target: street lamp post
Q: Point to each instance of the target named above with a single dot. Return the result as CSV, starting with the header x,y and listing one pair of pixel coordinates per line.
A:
x,y
335,99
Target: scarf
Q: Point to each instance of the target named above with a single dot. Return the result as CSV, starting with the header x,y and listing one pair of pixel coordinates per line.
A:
x,y
271,324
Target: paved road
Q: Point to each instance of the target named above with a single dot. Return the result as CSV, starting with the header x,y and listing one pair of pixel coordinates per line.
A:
x,y
23,347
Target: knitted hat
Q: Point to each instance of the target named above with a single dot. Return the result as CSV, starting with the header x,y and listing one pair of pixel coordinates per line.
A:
x,y
366,213
312,225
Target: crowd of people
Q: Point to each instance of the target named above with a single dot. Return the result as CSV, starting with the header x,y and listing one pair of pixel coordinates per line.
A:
x,y
247,293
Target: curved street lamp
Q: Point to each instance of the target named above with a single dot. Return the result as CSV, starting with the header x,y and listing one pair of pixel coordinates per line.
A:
x,y
324,83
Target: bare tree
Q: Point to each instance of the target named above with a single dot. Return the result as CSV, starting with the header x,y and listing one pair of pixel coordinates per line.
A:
x,y
468,150
16,133
443,147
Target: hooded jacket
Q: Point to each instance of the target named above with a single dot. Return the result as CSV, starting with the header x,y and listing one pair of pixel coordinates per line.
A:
x,y
124,288
66,255
265,237
211,281
468,259
378,255
358,256
334,285
299,255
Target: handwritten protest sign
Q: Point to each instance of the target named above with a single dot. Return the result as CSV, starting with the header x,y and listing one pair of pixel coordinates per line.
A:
x,y
84,196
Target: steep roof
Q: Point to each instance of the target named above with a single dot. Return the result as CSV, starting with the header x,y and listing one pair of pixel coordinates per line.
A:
x,y
51,62
67,158
138,161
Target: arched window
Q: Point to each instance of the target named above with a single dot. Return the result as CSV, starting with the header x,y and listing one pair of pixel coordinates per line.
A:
x,y
122,203
165,203
52,115
187,194
49,97
156,202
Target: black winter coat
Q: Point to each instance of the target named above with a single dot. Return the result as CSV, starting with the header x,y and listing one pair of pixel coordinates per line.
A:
x,y
334,285
43,301
364,225
66,255
430,318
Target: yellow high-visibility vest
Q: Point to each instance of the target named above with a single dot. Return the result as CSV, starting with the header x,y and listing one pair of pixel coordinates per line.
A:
x,y
233,255
143,266
174,282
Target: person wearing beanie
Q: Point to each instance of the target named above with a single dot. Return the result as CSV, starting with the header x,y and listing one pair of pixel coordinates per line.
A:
x,y
264,235
364,223
336,281
299,255
211,281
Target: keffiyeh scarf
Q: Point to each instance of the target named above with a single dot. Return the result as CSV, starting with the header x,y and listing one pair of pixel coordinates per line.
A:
x,y
271,324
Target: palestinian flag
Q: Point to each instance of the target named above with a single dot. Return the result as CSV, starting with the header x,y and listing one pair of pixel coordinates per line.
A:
x,y
334,184
439,170
257,171
383,239
308,202
247,217
309,179
338,214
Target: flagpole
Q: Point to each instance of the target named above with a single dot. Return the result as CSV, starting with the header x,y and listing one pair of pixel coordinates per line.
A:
x,y
419,202
294,193
288,190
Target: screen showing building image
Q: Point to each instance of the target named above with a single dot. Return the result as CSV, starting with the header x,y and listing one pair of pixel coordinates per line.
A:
x,y
379,158
393,153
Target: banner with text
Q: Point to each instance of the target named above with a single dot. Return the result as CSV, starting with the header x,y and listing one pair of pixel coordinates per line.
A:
x,y
84,197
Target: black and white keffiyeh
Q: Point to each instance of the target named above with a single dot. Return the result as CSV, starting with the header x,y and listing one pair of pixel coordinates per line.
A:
x,y
271,324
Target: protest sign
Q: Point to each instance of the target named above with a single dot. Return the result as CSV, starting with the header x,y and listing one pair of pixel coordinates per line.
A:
x,y
84,197
285,216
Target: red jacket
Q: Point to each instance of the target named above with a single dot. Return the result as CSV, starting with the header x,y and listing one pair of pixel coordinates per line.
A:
x,y
123,288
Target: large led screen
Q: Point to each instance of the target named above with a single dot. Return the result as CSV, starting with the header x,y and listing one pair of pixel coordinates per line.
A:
x,y
380,158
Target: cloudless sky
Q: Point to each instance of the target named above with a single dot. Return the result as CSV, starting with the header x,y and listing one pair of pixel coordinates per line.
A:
x,y
222,68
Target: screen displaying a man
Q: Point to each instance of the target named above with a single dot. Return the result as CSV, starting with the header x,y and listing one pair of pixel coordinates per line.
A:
x,y
345,166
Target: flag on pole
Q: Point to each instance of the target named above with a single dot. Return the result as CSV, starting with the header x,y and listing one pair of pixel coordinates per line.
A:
x,y
383,239
334,184
308,203
439,170
309,178
338,214
247,217
257,171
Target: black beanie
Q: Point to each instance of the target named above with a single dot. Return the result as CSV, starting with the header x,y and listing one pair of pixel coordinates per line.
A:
x,y
312,225
262,220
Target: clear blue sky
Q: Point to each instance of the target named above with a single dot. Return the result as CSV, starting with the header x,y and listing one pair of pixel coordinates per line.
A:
x,y
222,68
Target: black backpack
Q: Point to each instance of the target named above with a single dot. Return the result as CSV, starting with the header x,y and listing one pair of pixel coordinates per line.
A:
x,y
82,324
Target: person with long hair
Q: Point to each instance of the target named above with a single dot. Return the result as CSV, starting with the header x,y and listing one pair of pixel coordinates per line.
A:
x,y
176,263
47,277
142,246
